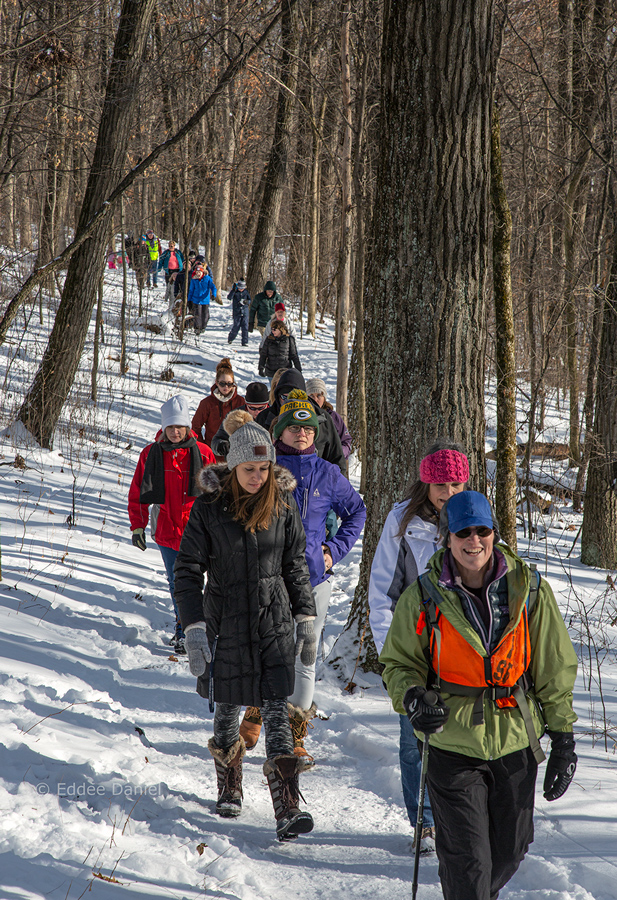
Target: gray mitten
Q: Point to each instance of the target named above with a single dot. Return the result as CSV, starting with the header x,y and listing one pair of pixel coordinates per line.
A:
x,y
197,647
306,642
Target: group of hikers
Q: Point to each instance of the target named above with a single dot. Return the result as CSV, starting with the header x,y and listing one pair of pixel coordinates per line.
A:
x,y
251,495
266,311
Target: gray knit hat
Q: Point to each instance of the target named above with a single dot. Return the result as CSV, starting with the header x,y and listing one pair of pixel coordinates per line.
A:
x,y
316,386
248,441
175,411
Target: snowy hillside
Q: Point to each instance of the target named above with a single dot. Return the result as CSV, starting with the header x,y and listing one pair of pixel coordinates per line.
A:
x,y
106,785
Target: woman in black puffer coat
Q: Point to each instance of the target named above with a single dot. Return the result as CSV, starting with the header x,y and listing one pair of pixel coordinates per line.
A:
x,y
245,531
278,351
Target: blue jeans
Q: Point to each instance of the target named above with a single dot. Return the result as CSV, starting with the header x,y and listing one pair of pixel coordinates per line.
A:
x,y
411,763
169,558
241,321
153,270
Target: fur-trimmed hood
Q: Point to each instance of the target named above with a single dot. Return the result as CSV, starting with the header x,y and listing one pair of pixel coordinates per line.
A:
x,y
209,478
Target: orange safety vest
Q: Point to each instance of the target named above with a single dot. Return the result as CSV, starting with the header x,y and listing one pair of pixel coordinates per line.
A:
x,y
459,669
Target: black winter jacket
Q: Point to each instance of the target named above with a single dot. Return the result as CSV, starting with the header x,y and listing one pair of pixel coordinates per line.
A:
x,y
256,583
278,353
327,443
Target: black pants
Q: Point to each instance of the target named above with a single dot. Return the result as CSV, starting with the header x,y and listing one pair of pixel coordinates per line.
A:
x,y
201,316
483,811
275,715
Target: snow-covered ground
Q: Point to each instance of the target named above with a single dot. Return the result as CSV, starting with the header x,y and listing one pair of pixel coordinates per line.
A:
x,y
106,785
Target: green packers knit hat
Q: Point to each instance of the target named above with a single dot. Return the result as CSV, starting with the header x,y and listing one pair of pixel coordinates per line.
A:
x,y
298,410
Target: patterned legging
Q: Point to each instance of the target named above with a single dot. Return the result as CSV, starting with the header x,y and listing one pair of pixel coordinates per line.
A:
x,y
279,740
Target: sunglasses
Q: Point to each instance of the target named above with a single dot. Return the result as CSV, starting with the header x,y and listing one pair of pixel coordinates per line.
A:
x,y
256,407
226,383
296,429
481,531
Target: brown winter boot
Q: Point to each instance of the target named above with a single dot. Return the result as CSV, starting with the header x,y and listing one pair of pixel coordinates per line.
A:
x,y
250,727
282,774
300,721
228,764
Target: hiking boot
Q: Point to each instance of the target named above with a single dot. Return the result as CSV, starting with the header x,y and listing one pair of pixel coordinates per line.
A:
x,y
300,721
228,764
250,727
282,774
427,841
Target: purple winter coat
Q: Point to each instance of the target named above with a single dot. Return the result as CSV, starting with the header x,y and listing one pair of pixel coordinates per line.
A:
x,y
339,424
321,487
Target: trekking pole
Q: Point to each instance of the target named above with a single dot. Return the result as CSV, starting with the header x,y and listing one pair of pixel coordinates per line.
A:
x,y
430,698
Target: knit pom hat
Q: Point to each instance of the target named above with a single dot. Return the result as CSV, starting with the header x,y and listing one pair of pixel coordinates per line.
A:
x,y
298,410
175,411
248,441
444,466
316,386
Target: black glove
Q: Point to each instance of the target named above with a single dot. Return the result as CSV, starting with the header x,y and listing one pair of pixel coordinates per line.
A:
x,y
426,710
262,373
561,765
139,538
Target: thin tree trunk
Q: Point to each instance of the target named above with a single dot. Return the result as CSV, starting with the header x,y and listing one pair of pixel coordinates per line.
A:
x,y
599,534
276,172
344,304
505,482
314,207
123,365
98,327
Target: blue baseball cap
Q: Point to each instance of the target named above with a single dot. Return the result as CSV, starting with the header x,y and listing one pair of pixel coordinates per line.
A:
x,y
465,510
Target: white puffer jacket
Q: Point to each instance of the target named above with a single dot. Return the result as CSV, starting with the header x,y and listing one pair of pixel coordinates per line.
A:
x,y
397,563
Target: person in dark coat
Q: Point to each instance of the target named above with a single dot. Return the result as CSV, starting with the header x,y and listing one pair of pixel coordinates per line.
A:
x,y
245,532
327,441
317,391
262,307
278,351
241,301
256,399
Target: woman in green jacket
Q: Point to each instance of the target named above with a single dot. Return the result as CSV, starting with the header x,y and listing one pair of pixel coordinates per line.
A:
x,y
480,631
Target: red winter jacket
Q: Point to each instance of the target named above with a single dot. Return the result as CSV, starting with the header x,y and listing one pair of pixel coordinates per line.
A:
x,y
168,520
210,414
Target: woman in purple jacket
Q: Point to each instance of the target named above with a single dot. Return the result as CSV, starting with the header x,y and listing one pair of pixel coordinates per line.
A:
x,y
321,487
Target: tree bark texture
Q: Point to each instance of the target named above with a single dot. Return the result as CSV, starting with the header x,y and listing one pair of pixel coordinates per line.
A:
x,y
599,535
276,172
425,303
505,481
42,406
344,298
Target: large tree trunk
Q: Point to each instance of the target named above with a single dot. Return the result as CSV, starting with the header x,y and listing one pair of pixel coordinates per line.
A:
x,y
41,408
276,173
505,481
426,277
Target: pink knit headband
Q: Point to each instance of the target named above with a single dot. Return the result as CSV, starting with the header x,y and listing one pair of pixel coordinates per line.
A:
x,y
444,466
